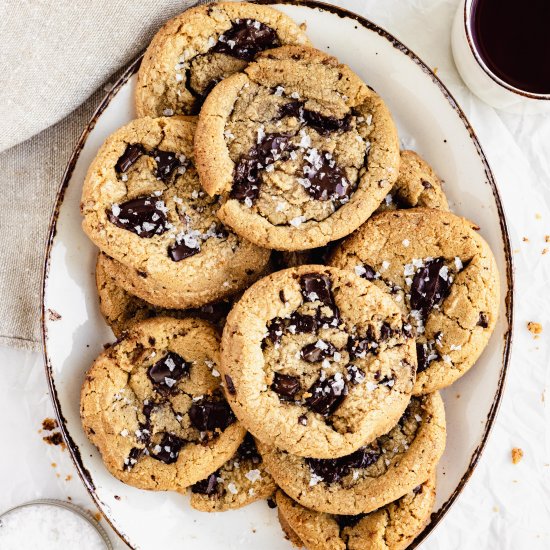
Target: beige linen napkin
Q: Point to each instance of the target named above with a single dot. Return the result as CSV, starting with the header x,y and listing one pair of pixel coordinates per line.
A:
x,y
55,57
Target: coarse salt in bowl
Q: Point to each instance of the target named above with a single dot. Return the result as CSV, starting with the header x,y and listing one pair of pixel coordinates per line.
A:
x,y
50,525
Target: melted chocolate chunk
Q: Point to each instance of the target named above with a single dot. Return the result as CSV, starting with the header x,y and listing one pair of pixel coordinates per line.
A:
x,y
271,503
248,451
317,351
207,415
369,274
286,386
208,486
132,459
229,384
168,449
483,320
355,374
317,287
180,251
246,176
128,158
426,184
245,39
327,395
428,288
349,521
168,370
141,216
299,324
334,469
275,330
417,489
166,163
302,419
322,123
327,181
386,332
423,357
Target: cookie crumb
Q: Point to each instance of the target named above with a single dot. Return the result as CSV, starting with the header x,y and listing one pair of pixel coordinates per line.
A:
x,y
547,238
525,240
517,455
538,216
49,424
534,328
53,315
55,439
544,251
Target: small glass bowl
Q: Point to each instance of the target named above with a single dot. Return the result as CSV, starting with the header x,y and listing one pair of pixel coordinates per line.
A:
x,y
67,506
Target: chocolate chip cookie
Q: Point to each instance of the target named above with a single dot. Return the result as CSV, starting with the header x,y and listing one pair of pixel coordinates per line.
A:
x,y
202,46
240,481
300,149
417,186
143,205
120,308
153,406
374,475
392,527
317,361
442,273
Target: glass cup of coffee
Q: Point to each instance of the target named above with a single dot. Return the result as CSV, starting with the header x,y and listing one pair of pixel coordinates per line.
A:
x,y
502,51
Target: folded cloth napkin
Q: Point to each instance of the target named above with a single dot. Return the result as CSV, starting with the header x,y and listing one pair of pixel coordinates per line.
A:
x,y
55,57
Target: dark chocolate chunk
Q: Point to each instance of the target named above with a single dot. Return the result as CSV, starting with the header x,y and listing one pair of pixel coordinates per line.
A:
x,y
248,451
299,324
349,521
271,503
275,330
317,287
285,385
424,357
327,395
168,370
386,332
302,419
141,216
208,414
417,489
230,385
180,251
167,162
327,181
128,158
246,176
426,184
168,449
370,273
245,39
334,469
355,374
317,351
132,459
483,320
322,123
428,287
207,486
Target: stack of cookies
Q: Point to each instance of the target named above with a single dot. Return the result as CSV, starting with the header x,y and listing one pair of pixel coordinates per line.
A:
x,y
288,290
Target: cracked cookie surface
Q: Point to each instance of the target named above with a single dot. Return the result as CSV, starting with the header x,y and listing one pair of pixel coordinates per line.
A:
x,y
316,361
120,308
202,46
298,162
153,406
143,205
240,481
373,476
392,527
444,276
416,186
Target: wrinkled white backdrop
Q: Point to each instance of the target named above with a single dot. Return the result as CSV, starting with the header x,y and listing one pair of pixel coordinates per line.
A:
x,y
504,506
